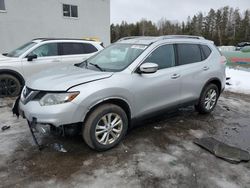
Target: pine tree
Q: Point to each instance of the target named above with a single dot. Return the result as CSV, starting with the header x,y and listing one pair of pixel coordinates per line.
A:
x,y
224,26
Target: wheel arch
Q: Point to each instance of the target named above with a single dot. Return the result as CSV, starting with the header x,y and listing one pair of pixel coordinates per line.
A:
x,y
215,81
123,103
13,73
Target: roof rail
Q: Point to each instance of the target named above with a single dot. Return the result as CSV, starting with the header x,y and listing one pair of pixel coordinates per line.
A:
x,y
45,39
127,38
181,36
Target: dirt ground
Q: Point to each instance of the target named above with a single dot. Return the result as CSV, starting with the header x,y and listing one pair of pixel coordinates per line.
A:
x,y
158,153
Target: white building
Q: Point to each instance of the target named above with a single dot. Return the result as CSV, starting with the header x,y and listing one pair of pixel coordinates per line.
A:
x,y
23,20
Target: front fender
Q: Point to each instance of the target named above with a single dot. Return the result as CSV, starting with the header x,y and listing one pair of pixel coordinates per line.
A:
x,y
95,94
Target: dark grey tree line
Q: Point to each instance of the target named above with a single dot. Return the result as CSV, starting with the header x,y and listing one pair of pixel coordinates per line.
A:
x,y
225,26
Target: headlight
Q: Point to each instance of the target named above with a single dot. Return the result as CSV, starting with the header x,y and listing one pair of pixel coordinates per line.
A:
x,y
57,98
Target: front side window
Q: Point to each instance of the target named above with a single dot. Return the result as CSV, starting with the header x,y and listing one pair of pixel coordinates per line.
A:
x,y
70,11
2,5
19,51
164,56
188,53
46,50
116,57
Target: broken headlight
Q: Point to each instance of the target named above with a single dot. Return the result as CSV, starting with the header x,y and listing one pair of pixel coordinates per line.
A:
x,y
57,98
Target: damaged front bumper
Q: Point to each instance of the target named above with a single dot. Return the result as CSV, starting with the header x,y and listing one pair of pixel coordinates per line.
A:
x,y
59,119
32,127
46,129
56,115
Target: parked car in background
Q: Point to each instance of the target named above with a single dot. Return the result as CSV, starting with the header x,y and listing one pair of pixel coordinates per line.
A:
x,y
132,79
238,58
241,45
39,54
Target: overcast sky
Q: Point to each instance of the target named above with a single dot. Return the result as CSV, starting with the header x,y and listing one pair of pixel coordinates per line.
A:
x,y
175,10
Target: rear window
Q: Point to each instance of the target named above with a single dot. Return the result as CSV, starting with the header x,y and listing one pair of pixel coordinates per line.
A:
x,y
206,51
188,53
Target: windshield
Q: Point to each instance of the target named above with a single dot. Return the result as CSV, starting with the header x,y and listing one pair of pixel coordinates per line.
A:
x,y
19,51
116,57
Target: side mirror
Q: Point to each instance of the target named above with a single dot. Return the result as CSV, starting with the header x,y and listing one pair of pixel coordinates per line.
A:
x,y
148,68
31,57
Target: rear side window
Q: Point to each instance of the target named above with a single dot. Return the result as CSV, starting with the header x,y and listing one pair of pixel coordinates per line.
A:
x,y
188,53
71,48
76,48
89,48
206,51
164,56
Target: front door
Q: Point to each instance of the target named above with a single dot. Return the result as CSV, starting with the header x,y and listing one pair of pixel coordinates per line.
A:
x,y
47,57
160,90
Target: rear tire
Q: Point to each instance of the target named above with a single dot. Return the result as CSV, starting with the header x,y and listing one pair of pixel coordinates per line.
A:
x,y
208,99
10,86
105,127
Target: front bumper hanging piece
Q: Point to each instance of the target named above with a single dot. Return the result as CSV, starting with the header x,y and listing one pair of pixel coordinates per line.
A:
x,y
31,127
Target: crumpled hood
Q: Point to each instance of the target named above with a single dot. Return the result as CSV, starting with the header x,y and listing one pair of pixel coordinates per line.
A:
x,y
63,78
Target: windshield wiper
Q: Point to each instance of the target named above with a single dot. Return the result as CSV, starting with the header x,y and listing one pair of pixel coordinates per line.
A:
x,y
97,66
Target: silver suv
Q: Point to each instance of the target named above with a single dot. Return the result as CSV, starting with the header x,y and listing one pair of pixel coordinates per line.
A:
x,y
133,78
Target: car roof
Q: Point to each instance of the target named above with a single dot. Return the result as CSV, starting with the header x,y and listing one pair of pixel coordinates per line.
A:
x,y
147,40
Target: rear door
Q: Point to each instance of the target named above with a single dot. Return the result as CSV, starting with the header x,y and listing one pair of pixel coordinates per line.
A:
x,y
160,90
194,67
75,52
47,57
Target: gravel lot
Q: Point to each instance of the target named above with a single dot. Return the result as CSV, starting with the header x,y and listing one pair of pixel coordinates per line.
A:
x,y
157,153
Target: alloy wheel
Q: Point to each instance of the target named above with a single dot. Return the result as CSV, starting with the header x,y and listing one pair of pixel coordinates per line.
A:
x,y
8,86
108,128
210,99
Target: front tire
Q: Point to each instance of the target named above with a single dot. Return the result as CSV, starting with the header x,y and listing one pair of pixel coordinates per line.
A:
x,y
208,99
105,127
10,86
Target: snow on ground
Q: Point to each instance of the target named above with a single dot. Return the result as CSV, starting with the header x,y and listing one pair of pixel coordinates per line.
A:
x,y
227,48
9,139
239,81
148,157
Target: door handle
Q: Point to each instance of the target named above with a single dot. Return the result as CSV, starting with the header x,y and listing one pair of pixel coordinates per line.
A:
x,y
175,76
205,68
